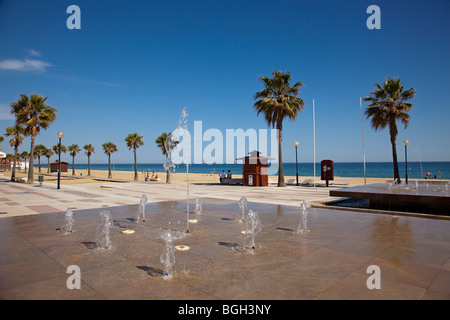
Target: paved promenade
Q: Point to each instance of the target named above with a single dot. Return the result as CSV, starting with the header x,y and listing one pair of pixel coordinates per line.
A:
x,y
22,199
332,260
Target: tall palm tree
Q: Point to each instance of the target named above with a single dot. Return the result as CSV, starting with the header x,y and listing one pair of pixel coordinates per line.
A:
x,y
73,149
89,148
48,153
16,133
38,153
387,105
277,101
109,149
25,155
161,143
35,115
134,141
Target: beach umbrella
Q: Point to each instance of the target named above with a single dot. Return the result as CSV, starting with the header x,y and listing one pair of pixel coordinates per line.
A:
x,y
427,173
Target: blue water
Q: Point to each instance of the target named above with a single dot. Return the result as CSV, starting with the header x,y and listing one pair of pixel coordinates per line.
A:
x,y
341,169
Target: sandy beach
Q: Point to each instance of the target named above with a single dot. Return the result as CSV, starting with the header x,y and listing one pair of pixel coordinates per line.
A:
x,y
81,177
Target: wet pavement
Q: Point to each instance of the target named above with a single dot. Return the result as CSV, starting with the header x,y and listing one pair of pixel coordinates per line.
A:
x,y
330,261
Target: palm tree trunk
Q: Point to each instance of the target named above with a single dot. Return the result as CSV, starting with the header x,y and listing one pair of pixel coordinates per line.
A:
x,y
281,182
89,165
168,174
135,166
73,165
48,165
393,134
13,174
31,165
25,164
109,165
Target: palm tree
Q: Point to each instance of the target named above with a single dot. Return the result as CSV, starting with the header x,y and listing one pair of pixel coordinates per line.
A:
x,y
9,158
277,101
38,153
73,149
55,149
89,151
15,132
25,155
134,141
387,105
35,115
161,142
48,153
109,149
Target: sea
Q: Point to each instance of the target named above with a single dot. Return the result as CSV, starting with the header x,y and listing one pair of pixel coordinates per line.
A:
x,y
416,170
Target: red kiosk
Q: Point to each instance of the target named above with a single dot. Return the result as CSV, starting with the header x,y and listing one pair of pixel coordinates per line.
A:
x,y
326,170
255,169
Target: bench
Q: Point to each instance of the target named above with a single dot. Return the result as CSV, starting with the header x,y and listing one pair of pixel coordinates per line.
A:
x,y
236,181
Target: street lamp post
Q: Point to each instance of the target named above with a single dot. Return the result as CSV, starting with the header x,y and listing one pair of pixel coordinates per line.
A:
x,y
296,160
60,134
405,143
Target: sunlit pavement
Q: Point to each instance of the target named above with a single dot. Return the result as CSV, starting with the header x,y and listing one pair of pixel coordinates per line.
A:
x,y
334,259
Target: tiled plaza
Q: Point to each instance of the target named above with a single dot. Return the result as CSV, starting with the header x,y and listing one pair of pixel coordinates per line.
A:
x,y
330,261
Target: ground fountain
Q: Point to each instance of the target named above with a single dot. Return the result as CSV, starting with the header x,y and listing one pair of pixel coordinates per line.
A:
x,y
303,225
183,126
68,222
168,256
198,206
243,207
141,210
103,238
197,211
252,228
172,142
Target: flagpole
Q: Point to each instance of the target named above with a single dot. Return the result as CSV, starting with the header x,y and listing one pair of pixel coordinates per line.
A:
x,y
314,137
362,134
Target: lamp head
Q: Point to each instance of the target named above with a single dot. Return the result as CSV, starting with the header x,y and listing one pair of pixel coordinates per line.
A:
x,y
296,144
405,142
60,134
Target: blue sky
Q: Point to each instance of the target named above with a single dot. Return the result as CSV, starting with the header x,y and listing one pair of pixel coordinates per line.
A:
x,y
134,65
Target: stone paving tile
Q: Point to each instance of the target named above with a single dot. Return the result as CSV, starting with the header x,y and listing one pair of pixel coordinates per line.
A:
x,y
43,209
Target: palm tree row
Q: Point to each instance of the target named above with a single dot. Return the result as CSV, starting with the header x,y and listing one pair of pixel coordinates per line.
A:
x,y
277,101
32,115
388,104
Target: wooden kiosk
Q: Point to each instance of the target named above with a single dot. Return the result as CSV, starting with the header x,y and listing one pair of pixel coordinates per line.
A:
x,y
54,166
255,169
